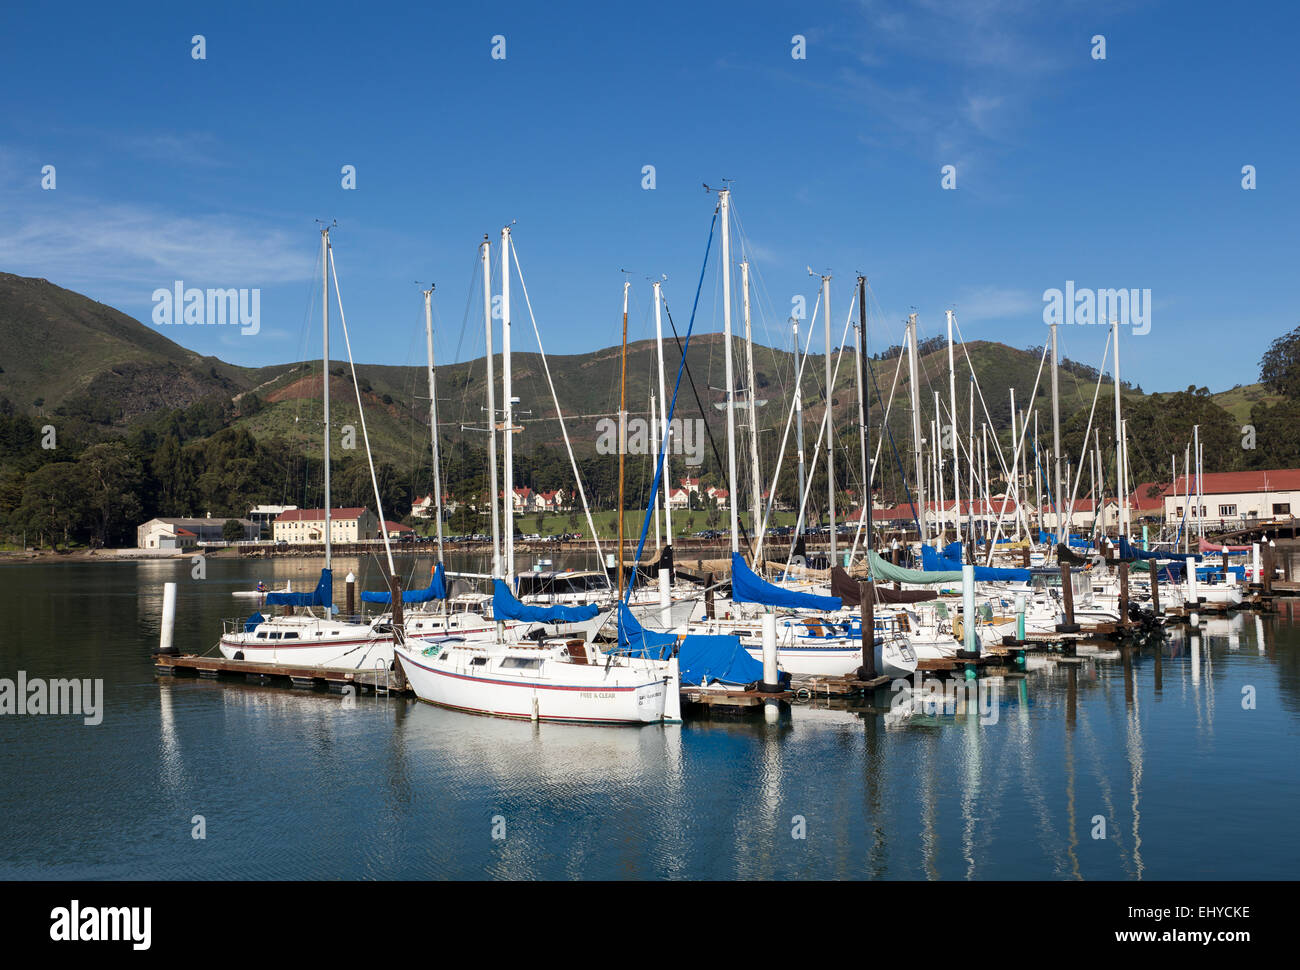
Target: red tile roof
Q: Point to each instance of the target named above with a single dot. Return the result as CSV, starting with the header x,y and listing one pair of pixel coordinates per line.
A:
x,y
318,515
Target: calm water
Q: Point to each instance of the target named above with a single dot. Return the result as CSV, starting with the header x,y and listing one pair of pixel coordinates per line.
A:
x,y
296,785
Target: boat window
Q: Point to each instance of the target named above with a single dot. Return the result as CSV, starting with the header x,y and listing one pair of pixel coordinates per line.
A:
x,y
291,636
262,635
521,663
477,661
274,636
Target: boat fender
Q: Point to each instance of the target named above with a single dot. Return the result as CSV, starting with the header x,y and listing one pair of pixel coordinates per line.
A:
x,y
239,655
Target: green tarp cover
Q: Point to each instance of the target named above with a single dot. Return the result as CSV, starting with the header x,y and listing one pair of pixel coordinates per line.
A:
x,y
883,571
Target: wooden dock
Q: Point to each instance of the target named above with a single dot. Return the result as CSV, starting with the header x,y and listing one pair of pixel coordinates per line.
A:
x,y
337,679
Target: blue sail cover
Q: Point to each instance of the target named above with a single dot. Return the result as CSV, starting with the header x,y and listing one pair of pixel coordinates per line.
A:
x,y
631,634
436,590
1126,551
932,562
506,607
323,595
251,624
747,587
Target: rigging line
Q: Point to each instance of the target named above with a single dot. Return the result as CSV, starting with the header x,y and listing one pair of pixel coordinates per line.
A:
x,y
663,446
825,430
893,446
717,455
374,481
785,438
582,492
1069,518
1015,460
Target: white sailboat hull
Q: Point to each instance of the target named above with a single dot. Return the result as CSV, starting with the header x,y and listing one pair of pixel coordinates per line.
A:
x,y
645,692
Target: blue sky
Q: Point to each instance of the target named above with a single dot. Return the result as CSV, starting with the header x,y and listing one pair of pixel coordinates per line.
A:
x,y
1123,172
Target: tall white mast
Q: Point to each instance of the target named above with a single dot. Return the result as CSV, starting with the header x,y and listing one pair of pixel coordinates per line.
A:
x,y
724,202
952,408
485,249
1120,478
936,449
663,401
860,332
325,307
654,450
507,405
914,381
1056,442
830,419
756,499
1015,461
433,416
798,423
1196,451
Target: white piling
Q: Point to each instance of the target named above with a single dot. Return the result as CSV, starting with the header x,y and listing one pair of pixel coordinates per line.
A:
x,y
770,673
968,604
168,619
1192,592
665,599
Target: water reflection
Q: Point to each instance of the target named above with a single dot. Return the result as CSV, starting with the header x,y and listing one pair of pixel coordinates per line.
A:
x,y
298,784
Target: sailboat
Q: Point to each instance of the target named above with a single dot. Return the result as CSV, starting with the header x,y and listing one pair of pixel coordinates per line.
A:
x,y
537,676
316,637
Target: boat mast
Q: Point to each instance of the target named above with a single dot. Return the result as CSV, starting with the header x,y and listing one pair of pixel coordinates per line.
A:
x,y
486,248
864,408
433,415
1056,440
830,420
756,479
1015,462
724,203
1122,528
622,436
916,422
507,405
952,407
325,308
1196,450
663,402
798,422
936,476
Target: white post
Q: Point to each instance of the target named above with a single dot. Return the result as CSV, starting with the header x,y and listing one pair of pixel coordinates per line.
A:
x,y
770,673
507,406
168,619
968,604
665,600
1192,592
1254,563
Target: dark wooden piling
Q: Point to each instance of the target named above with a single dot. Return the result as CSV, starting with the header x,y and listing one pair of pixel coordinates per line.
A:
x,y
351,598
399,621
1067,597
867,591
1267,566
709,612
1155,585
1123,595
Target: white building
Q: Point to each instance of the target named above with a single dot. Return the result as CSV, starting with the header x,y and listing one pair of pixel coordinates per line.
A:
x,y
180,533
308,525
